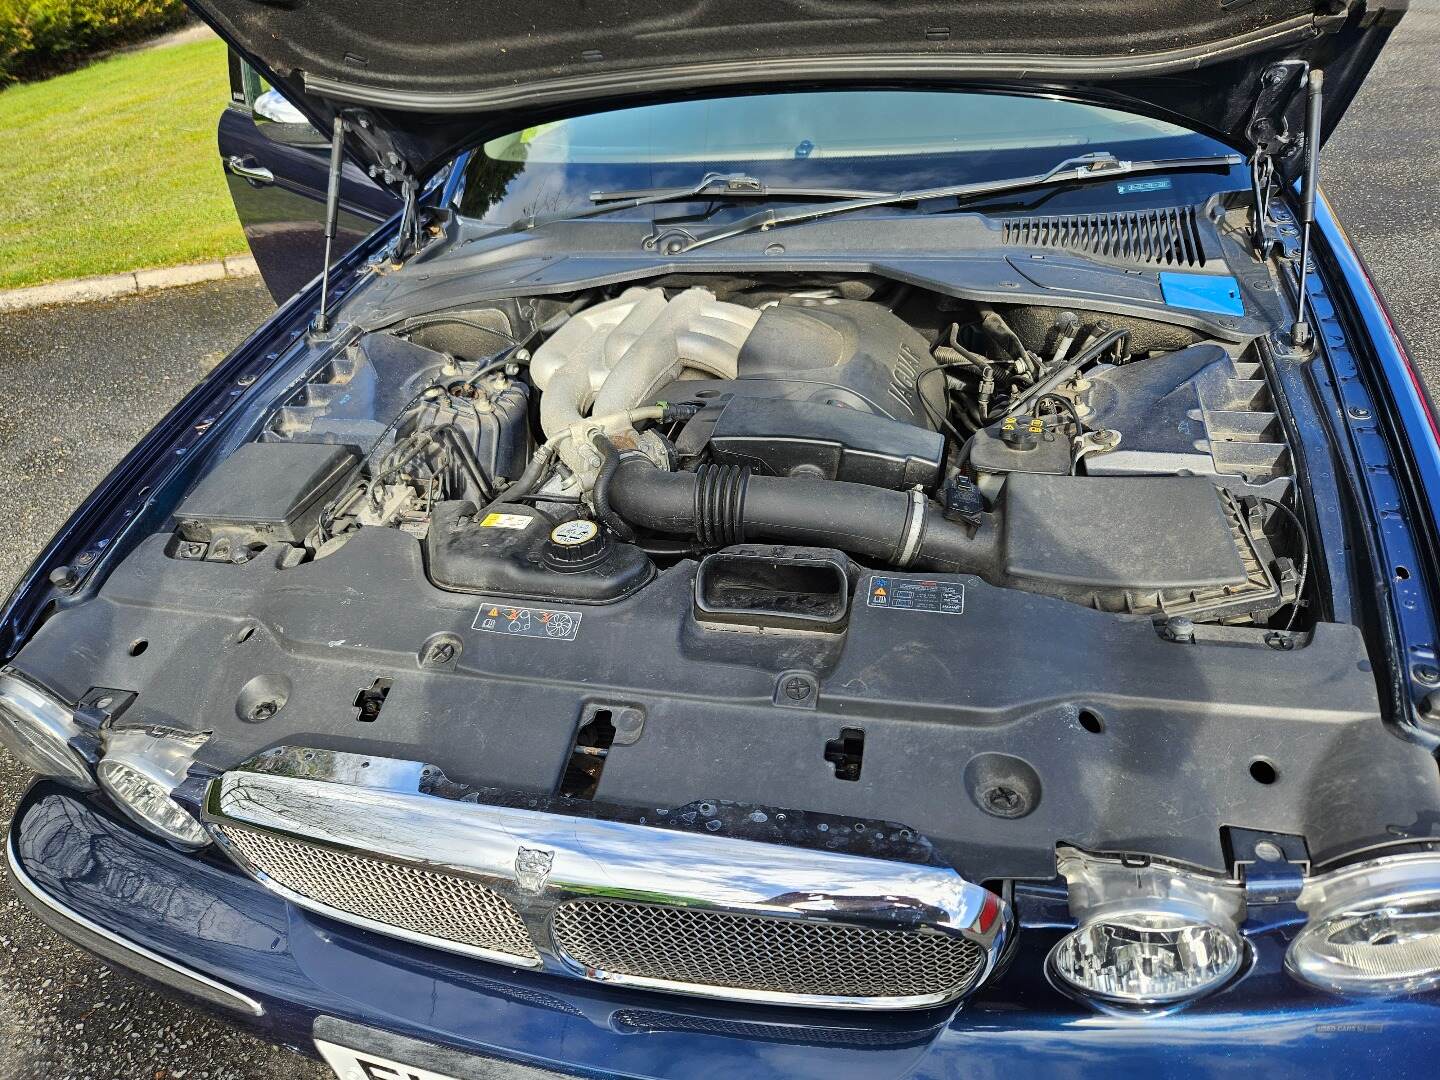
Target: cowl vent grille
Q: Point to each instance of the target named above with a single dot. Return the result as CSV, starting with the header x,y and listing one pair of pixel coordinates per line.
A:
x,y
1170,236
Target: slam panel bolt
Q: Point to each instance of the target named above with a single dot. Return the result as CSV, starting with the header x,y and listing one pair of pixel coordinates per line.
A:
x,y
1427,674
264,710
1430,706
1004,801
797,689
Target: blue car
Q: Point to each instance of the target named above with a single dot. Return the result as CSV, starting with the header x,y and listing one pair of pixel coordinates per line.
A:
x,y
809,539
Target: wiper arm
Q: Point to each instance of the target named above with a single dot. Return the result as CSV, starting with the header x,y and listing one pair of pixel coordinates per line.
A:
x,y
711,186
1085,169
737,187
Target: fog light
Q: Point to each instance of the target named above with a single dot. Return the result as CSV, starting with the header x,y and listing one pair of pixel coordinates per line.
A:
x,y
37,729
140,770
1149,933
1147,958
1374,927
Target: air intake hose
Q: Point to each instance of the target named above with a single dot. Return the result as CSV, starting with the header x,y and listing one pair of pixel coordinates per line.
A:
x,y
725,504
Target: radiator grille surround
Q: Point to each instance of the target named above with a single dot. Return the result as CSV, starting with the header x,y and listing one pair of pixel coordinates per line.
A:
x,y
366,840
1169,237
674,945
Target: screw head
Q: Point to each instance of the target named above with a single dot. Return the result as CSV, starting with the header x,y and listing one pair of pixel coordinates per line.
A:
x,y
1427,673
1003,801
1266,851
442,653
797,689
1430,706
264,710
1179,628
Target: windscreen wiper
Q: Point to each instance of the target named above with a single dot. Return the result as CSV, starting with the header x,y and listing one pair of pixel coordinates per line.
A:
x,y
711,186
1085,169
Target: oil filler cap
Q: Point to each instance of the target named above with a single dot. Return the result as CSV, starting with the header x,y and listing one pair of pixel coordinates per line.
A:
x,y
576,545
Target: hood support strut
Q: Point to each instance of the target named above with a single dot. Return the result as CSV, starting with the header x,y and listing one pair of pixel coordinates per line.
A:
x,y
332,216
1300,334
392,171
1273,140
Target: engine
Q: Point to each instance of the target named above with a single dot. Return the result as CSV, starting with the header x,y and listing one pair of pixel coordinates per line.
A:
x,y
811,386
1070,458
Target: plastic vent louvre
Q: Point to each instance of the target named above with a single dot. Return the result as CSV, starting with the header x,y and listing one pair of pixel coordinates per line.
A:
x,y
1170,236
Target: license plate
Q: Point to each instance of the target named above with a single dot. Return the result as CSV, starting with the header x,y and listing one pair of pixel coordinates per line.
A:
x,y
360,1065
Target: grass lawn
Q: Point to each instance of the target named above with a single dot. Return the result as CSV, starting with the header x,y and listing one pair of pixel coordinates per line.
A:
x,y
114,167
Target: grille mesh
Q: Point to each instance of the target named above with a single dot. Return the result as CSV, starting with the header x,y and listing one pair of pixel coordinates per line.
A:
x,y
441,906
747,952
1169,236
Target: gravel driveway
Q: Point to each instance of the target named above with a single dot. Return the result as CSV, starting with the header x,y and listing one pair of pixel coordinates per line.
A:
x,y
106,372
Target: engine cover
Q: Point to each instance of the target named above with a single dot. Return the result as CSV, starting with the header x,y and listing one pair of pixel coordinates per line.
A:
x,y
781,437
826,388
849,353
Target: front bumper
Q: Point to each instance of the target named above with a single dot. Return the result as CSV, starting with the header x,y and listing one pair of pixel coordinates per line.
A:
x,y
199,927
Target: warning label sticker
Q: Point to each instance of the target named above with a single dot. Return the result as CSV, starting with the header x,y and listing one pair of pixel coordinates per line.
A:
x,y
916,594
505,521
558,625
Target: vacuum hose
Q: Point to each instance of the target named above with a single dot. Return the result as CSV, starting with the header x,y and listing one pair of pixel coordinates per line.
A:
x,y
725,504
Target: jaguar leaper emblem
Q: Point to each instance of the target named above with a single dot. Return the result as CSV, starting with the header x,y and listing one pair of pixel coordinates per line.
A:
x,y
532,867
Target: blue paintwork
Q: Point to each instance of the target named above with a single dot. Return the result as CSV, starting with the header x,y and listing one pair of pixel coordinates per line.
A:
x,y
1215,293
206,915
284,220
1412,403
1382,408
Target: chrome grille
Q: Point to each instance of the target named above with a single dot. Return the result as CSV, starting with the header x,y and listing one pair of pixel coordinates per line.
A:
x,y
353,837
436,905
752,952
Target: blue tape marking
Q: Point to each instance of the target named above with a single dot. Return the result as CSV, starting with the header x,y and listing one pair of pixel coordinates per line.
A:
x,y
1219,295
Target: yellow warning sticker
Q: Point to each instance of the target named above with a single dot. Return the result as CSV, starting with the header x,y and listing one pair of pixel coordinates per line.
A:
x,y
916,594
555,624
505,521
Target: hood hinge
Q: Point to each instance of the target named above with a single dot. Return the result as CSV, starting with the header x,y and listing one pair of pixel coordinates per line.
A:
x,y
1273,140
390,167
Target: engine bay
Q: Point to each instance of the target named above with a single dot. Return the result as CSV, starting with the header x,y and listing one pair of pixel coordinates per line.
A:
x,y
1006,576
1097,463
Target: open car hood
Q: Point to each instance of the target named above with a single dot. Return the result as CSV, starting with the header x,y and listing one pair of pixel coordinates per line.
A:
x,y
429,80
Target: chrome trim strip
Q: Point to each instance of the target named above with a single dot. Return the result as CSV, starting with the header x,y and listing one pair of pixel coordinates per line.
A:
x,y
536,860
183,975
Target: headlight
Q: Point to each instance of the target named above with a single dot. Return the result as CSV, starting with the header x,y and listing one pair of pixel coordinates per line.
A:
x,y
1149,934
37,729
1374,927
140,770
1147,958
